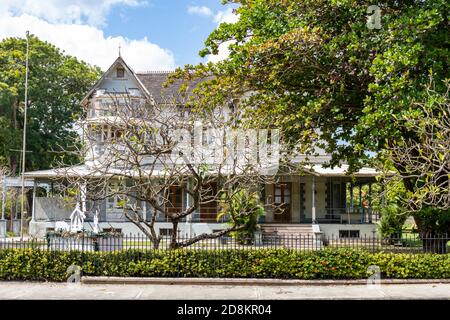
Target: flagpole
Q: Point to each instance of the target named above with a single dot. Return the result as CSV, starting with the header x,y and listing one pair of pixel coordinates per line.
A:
x,y
22,212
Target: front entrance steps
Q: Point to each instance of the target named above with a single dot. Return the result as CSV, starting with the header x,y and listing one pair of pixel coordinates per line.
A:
x,y
287,229
294,236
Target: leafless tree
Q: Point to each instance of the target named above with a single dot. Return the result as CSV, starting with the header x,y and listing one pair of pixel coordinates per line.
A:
x,y
152,148
425,157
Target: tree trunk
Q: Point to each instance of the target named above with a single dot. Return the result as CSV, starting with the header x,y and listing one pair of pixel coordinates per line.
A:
x,y
156,242
29,196
173,242
432,242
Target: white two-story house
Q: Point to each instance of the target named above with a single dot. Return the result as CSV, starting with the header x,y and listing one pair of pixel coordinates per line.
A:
x,y
325,199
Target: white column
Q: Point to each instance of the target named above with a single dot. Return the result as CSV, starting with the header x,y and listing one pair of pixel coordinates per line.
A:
x,y
369,210
351,197
313,194
33,205
360,202
144,210
3,198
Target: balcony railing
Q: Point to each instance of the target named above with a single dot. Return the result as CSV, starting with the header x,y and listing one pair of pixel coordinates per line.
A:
x,y
348,215
130,92
206,216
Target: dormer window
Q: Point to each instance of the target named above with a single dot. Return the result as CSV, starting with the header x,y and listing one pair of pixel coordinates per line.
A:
x,y
120,72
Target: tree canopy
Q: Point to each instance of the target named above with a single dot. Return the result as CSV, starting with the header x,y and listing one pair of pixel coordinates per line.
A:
x,y
316,70
315,64
57,83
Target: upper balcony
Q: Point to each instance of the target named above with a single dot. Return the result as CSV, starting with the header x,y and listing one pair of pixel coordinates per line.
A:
x,y
131,92
102,106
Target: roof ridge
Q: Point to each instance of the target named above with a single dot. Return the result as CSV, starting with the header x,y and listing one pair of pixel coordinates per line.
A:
x,y
155,72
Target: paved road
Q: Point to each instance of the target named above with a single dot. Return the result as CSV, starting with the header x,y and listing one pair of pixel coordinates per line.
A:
x,y
28,290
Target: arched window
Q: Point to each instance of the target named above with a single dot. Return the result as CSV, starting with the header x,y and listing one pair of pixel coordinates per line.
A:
x,y
120,72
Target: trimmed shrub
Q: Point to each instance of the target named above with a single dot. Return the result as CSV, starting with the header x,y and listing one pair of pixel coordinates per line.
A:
x,y
392,219
33,264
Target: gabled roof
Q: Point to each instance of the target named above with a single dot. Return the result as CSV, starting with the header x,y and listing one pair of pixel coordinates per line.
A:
x,y
151,84
122,62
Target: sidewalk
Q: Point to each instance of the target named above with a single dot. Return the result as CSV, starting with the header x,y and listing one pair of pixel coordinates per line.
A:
x,y
249,281
81,291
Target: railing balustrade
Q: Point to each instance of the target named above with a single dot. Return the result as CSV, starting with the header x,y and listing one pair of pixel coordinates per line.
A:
x,y
405,243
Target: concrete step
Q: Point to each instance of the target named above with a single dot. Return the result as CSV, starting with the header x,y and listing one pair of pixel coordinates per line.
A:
x,y
287,229
289,226
291,236
293,233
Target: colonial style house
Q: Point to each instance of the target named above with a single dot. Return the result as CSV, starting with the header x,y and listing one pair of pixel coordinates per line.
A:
x,y
326,200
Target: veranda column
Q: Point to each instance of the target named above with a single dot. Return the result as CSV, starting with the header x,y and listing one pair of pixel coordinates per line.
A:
x,y
144,210
351,197
370,203
33,206
3,221
360,202
3,198
313,195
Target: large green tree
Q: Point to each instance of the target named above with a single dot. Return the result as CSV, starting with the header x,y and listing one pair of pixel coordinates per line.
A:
x,y
57,83
318,71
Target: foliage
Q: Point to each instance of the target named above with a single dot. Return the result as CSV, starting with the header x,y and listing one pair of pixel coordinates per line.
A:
x,y
392,219
57,83
315,64
243,209
28,264
433,220
425,159
320,74
10,234
82,234
175,167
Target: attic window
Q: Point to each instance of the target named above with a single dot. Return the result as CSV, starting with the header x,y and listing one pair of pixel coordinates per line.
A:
x,y
120,72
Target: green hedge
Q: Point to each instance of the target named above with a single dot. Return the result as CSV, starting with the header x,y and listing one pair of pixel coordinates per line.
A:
x,y
29,264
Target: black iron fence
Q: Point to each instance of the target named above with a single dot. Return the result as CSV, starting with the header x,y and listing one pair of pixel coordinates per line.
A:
x,y
406,243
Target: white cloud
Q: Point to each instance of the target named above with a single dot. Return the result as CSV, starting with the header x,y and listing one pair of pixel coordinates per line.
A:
x,y
202,11
89,43
92,12
223,53
227,16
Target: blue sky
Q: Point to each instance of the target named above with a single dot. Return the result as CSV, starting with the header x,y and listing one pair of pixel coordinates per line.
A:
x,y
167,23
153,34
